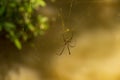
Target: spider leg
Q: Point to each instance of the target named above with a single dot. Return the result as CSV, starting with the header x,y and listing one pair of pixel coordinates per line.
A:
x,y
70,45
64,38
70,39
68,49
62,51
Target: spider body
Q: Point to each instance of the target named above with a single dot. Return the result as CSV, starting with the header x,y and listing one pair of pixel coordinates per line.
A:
x,y
67,43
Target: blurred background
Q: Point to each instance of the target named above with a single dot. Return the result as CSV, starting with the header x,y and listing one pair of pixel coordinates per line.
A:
x,y
96,39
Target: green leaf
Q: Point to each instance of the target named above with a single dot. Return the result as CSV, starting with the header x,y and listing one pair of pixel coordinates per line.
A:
x,y
12,34
44,19
9,26
2,9
31,27
17,43
29,9
12,4
19,21
42,3
38,3
44,26
21,9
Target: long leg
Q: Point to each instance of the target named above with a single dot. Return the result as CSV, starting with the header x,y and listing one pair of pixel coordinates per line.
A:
x,y
70,39
68,49
66,41
72,44
64,38
62,51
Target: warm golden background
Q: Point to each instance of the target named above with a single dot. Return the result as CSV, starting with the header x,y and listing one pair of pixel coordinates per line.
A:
x,y
96,55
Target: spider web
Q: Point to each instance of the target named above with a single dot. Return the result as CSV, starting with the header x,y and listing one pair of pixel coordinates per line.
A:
x,y
67,41
60,15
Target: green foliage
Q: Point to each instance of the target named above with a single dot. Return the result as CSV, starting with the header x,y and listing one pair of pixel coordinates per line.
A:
x,y
19,20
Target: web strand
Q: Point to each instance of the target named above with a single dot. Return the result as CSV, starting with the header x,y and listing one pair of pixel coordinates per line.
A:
x,y
71,5
62,20
67,40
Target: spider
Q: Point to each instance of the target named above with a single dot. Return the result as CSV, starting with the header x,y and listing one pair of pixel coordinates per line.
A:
x,y
67,43
67,40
